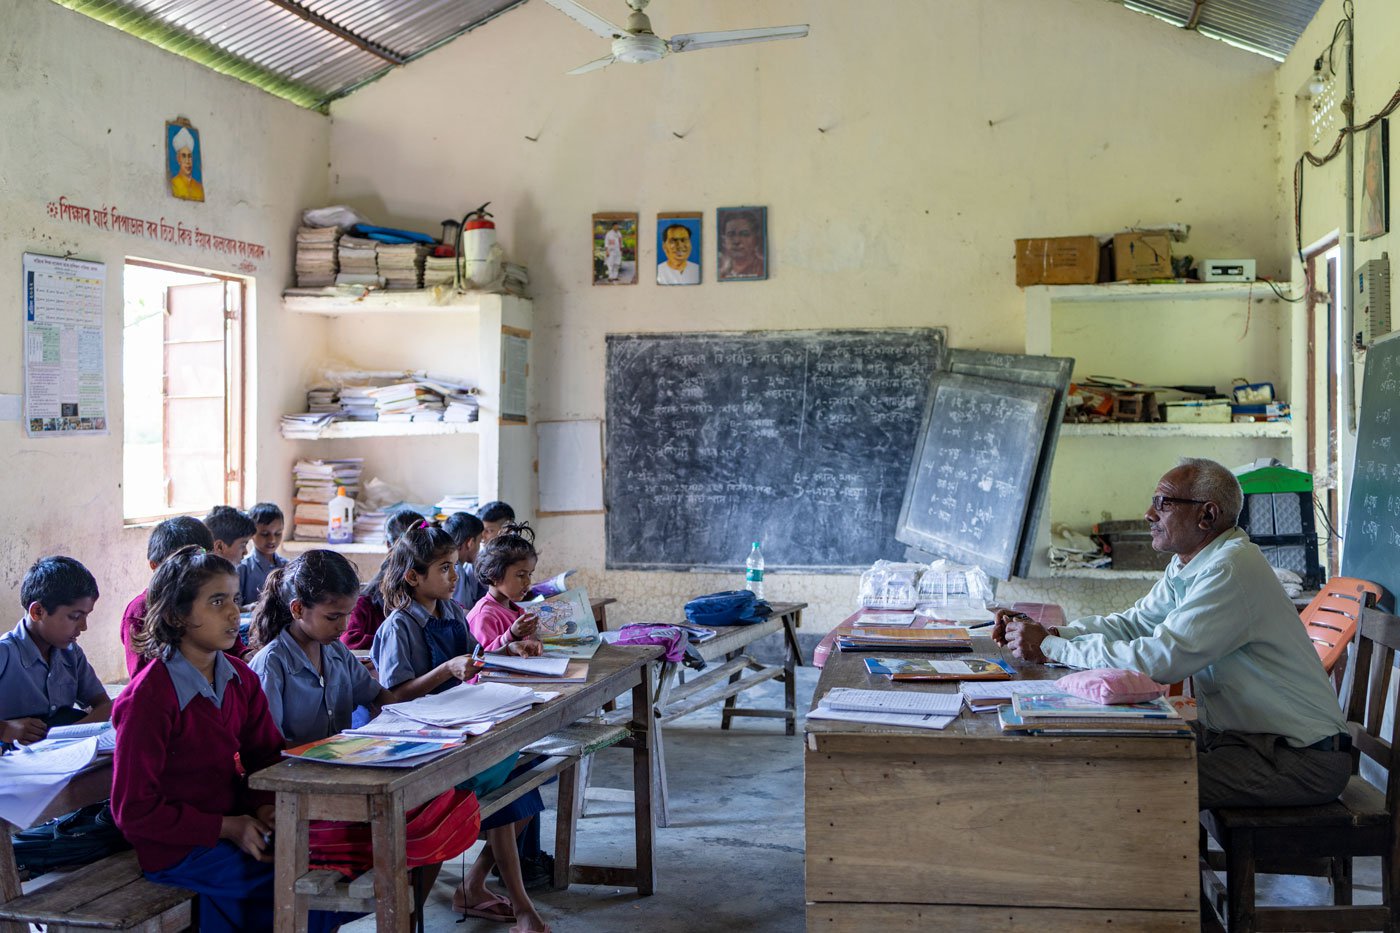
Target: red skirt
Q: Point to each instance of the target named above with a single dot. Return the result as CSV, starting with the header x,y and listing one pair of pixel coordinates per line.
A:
x,y
442,828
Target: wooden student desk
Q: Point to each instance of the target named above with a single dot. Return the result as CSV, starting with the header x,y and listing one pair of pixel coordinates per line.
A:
x,y
308,790
969,828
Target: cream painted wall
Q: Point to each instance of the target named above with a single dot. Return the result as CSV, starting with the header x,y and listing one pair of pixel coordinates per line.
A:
x,y
84,109
1324,206
900,148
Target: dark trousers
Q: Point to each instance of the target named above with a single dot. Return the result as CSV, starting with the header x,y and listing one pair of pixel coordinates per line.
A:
x,y
1241,769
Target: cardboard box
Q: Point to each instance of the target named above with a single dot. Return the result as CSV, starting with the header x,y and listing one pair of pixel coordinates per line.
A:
x,y
1204,411
1060,260
1141,256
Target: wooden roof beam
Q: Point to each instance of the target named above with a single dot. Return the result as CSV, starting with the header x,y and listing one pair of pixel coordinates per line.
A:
x,y
340,32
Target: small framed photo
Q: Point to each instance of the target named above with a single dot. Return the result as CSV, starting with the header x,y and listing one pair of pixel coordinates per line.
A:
x,y
615,248
1375,185
184,159
743,243
678,248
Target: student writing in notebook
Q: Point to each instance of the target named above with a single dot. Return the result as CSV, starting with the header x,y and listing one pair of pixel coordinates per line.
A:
x,y
313,684
45,679
424,647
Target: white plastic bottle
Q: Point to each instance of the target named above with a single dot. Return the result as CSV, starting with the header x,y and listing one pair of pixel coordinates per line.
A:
x,y
342,518
753,574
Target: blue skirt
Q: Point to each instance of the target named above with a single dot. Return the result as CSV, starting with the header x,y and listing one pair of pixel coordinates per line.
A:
x,y
484,782
235,891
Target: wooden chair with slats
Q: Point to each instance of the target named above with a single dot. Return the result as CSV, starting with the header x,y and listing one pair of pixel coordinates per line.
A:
x,y
1331,619
1363,822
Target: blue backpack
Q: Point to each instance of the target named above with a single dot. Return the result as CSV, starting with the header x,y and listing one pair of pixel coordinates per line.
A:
x,y
733,607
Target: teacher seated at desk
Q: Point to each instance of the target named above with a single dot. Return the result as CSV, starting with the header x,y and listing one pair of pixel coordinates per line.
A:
x,y
1270,730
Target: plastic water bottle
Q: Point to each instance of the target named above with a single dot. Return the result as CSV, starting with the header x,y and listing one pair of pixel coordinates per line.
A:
x,y
342,518
753,573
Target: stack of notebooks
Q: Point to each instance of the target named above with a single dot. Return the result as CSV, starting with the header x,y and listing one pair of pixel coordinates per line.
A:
x,y
305,426
359,262
990,696
356,404
1062,714
457,502
943,638
439,270
407,401
315,261
509,669
315,483
459,398
401,264
322,400
369,527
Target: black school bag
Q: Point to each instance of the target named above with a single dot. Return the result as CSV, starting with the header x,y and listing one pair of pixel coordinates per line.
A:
x,y
732,607
74,839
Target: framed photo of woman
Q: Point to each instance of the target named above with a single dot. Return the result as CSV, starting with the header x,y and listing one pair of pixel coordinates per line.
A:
x,y
743,243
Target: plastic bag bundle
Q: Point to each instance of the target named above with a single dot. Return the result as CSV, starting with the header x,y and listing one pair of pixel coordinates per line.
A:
x,y
890,585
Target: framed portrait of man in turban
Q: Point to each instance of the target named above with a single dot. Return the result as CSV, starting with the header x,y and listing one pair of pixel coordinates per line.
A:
x,y
183,160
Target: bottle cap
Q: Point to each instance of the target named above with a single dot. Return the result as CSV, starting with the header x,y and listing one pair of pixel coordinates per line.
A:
x,y
340,490
755,544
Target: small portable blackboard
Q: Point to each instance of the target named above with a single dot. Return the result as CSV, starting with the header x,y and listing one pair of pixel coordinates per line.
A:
x,y
1371,543
974,469
1049,372
800,440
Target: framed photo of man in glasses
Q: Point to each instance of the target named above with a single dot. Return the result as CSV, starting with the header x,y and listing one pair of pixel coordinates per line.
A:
x,y
678,248
743,243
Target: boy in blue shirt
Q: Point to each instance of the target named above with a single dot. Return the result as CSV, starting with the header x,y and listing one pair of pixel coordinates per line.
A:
x,y
268,523
494,516
45,679
232,530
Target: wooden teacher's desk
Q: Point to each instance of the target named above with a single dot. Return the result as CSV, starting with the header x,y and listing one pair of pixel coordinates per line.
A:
x,y
969,828
308,790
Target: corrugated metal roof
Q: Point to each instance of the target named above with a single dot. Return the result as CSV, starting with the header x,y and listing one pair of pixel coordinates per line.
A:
x,y
308,51
1269,27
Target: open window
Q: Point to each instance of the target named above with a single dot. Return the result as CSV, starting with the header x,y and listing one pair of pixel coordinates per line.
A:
x,y
182,391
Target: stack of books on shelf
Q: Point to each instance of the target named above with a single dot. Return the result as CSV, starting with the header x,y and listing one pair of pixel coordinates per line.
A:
x,y
439,270
947,638
359,262
460,399
407,401
369,527
517,278
356,404
322,399
305,426
457,502
314,484
401,264
316,264
1053,713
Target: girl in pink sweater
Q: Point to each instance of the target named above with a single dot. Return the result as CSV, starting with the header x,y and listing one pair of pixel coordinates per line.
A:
x,y
506,566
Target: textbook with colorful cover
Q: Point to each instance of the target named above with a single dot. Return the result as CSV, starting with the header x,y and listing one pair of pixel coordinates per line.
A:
x,y
1061,705
373,751
936,669
566,624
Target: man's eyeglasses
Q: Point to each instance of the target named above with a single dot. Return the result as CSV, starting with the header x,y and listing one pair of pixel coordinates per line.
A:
x,y
1164,503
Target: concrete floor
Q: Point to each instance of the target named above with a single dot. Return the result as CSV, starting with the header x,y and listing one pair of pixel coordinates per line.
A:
x,y
732,858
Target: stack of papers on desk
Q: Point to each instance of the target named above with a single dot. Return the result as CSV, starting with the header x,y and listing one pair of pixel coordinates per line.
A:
x,y
1053,713
574,672
987,697
469,705
60,736
30,781
909,708
933,669
906,639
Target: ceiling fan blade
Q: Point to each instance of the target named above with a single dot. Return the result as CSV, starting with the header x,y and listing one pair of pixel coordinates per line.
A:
x,y
691,41
595,65
587,18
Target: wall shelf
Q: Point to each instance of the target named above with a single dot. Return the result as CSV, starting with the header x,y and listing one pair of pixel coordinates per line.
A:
x,y
1281,429
336,301
340,430
1176,291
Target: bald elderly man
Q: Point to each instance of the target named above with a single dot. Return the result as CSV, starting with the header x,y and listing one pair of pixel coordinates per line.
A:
x,y
1270,730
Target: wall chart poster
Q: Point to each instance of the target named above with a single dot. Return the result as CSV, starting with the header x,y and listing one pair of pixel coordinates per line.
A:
x,y
65,384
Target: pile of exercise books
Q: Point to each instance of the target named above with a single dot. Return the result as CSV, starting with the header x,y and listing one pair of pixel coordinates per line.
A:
x,y
1049,713
369,527
913,709
407,401
937,669
941,638
401,264
322,399
439,270
359,262
457,502
466,709
356,404
509,669
315,261
990,696
314,484
305,425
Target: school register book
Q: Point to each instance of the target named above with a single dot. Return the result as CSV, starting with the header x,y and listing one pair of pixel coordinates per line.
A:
x,y
1057,705
1092,725
949,638
935,669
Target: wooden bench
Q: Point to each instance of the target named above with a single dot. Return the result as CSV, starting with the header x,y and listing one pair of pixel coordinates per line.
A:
x,y
110,894
561,755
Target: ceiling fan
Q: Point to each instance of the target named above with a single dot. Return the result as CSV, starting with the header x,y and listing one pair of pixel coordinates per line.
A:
x,y
637,43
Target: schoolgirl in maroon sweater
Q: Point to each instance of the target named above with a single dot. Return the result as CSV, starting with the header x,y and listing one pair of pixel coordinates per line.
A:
x,y
183,725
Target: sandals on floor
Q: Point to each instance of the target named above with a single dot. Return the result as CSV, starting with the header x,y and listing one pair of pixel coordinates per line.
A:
x,y
484,911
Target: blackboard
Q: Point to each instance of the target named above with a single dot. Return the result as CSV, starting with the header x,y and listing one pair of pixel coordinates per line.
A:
x,y
1371,542
801,440
1050,372
975,465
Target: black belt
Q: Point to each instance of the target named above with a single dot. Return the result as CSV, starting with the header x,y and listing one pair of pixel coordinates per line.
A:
x,y
1333,743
